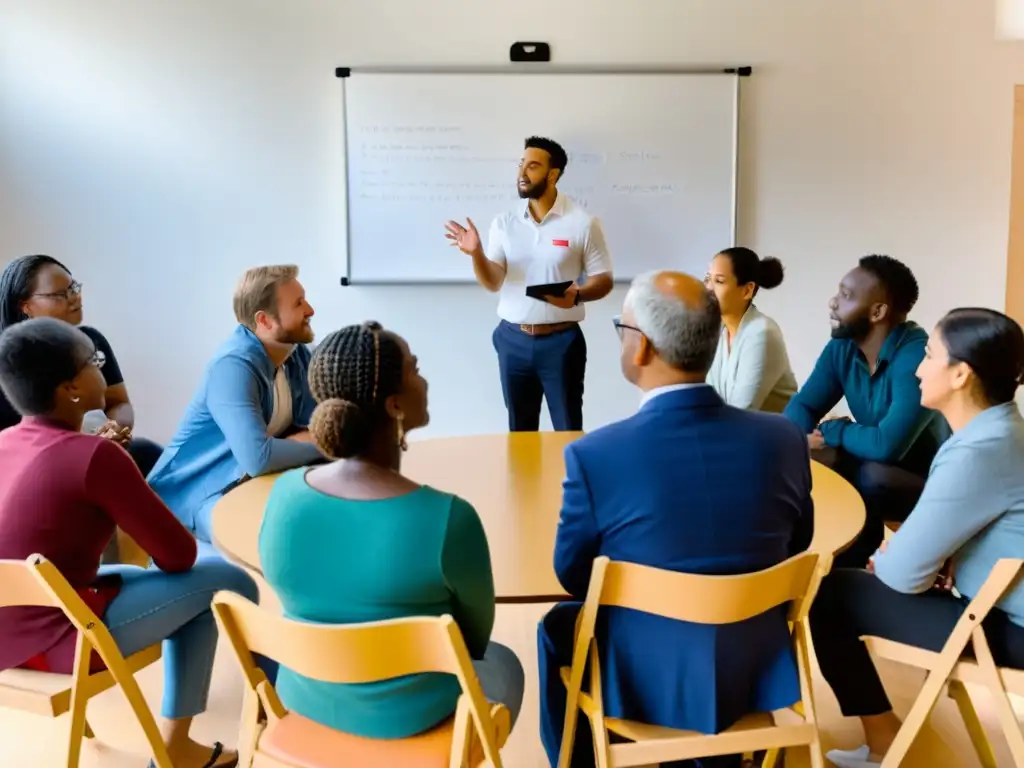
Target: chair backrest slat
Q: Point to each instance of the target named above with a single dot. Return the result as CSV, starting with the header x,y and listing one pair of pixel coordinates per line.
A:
x,y
20,584
337,653
706,599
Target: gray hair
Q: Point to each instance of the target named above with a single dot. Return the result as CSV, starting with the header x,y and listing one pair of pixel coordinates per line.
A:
x,y
684,337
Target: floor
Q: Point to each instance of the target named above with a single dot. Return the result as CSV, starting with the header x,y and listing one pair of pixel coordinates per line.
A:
x,y
29,741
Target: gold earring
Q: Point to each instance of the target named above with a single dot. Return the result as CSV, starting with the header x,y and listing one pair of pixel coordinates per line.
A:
x,y
400,432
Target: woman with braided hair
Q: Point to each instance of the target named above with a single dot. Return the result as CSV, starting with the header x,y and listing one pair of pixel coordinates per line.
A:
x,y
355,541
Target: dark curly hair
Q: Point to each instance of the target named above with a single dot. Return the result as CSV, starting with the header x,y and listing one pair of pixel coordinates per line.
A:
x,y
899,282
16,282
353,371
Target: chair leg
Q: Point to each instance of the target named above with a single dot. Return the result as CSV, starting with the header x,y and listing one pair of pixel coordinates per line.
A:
x,y
916,719
79,699
1004,710
145,718
975,730
251,727
602,748
77,734
817,755
770,758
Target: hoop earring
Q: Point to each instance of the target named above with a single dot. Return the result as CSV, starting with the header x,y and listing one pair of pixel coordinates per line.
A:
x,y
400,432
75,399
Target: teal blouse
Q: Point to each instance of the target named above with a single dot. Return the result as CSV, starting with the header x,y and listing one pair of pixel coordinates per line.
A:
x,y
336,561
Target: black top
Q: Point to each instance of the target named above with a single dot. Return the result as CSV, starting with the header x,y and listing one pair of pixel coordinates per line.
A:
x,y
111,373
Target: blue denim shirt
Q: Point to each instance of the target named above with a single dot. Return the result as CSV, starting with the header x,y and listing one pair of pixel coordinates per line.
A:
x,y
223,435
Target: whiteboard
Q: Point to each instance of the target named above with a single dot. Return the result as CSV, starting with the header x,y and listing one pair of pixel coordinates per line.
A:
x,y
652,155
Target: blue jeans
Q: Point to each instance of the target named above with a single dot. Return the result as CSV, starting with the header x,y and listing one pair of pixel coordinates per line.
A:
x,y
502,678
174,608
536,368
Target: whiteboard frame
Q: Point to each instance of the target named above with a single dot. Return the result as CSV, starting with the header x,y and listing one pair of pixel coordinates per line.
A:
x,y
343,73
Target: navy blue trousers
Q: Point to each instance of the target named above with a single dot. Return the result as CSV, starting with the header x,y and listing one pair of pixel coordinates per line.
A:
x,y
536,368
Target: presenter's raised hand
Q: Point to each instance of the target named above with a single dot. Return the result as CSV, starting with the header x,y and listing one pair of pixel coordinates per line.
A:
x,y
466,239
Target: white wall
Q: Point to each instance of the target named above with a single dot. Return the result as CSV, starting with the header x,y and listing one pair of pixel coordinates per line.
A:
x,y
161,147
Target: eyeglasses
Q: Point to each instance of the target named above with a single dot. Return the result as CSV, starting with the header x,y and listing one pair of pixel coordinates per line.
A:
x,y
72,290
620,326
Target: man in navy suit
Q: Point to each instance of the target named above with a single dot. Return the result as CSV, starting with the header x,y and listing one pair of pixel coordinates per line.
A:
x,y
687,484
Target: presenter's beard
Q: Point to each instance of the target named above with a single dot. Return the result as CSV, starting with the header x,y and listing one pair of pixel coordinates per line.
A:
x,y
535,192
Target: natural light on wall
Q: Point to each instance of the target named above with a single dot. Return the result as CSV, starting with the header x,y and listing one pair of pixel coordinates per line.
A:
x,y
1010,19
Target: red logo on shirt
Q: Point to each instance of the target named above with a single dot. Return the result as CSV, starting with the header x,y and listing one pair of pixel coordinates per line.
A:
x,y
562,243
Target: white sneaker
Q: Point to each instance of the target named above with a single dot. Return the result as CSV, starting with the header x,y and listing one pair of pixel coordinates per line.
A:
x,y
852,758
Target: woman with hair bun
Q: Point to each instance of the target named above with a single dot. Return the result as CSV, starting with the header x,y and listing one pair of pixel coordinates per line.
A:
x,y
751,367
356,541
970,515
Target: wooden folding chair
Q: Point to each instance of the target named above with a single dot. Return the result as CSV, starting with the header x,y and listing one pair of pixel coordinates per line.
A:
x,y
704,600
37,582
949,667
273,737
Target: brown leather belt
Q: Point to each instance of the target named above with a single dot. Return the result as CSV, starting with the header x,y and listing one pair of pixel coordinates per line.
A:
x,y
544,329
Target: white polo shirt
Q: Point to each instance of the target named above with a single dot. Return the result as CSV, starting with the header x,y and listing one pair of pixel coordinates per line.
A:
x,y
567,243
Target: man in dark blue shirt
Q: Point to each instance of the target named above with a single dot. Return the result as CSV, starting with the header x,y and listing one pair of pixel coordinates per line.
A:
x,y
872,359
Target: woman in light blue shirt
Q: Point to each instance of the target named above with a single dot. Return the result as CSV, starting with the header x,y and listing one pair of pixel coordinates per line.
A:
x,y
751,367
969,516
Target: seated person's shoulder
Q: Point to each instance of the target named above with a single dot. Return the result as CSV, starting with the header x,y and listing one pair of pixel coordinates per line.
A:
x,y
771,329
773,428
90,452
914,334
231,367
458,509
762,328
604,437
910,348
291,481
98,338
109,452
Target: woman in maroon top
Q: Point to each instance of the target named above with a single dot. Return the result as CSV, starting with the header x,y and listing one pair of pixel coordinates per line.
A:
x,y
61,495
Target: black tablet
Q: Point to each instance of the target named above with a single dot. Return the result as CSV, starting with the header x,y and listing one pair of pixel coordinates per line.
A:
x,y
547,289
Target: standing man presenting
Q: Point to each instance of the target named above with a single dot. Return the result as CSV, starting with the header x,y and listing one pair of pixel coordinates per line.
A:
x,y
547,239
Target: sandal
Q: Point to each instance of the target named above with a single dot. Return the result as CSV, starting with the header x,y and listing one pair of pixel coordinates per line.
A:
x,y
218,750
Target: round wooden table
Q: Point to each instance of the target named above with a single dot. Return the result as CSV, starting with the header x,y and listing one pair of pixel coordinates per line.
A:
x,y
515,482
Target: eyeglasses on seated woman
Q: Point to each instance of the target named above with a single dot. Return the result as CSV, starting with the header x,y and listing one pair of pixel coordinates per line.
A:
x,y
78,488
40,286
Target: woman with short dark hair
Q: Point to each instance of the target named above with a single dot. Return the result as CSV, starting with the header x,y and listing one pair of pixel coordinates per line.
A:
x,y
969,516
40,286
62,493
